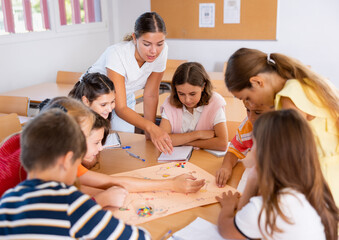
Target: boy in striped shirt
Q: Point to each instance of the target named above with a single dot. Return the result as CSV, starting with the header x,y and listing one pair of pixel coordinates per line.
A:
x,y
241,144
46,205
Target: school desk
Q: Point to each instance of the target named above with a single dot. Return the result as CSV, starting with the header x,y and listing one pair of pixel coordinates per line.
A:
x,y
168,75
39,92
234,110
117,160
23,119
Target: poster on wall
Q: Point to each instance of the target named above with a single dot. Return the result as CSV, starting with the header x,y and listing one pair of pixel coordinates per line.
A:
x,y
207,15
231,11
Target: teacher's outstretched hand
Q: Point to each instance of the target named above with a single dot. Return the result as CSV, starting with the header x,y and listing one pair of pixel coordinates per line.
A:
x,y
161,139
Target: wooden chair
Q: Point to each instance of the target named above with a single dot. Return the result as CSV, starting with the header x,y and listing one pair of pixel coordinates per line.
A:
x,y
232,127
174,63
68,77
225,67
9,124
11,104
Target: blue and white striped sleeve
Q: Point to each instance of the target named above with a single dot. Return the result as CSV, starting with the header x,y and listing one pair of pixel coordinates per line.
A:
x,y
90,221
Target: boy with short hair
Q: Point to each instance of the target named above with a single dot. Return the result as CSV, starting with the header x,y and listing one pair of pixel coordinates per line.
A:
x,y
241,144
45,206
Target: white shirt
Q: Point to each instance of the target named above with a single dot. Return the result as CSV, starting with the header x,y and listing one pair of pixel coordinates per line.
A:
x,y
120,58
190,121
306,221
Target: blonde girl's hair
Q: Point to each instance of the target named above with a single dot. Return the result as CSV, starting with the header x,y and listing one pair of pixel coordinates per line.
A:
x,y
287,158
194,74
147,22
246,63
73,107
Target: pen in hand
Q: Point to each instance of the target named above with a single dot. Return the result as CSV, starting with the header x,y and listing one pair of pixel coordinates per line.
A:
x,y
135,156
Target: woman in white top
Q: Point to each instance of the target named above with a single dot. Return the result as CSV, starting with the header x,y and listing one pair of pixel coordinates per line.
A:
x,y
136,63
295,201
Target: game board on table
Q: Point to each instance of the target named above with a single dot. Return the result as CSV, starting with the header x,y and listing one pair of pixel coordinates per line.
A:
x,y
147,206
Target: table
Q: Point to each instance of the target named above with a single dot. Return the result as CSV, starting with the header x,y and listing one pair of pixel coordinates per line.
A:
x,y
23,119
117,160
39,92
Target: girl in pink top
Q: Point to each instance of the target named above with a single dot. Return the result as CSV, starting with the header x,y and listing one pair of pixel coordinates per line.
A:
x,y
193,114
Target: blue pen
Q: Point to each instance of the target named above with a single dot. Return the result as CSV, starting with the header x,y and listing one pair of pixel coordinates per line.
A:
x,y
135,156
166,235
126,147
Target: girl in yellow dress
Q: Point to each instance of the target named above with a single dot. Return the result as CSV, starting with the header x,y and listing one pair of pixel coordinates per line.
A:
x,y
275,79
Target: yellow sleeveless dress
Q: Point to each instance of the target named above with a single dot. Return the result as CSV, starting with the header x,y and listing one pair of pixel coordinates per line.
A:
x,y
324,129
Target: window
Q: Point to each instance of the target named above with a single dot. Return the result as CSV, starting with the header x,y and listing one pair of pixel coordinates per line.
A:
x,y
20,16
79,11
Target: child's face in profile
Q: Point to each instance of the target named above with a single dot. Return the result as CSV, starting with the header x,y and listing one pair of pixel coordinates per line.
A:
x,y
250,159
254,111
189,95
94,146
104,104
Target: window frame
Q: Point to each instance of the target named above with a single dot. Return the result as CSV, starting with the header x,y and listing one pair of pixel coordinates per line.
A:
x,y
55,27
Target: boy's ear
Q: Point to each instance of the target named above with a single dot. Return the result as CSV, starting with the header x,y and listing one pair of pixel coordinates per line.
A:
x,y
257,81
85,100
66,161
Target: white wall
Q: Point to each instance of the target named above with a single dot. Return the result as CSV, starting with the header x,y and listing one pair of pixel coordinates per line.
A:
x,y
307,30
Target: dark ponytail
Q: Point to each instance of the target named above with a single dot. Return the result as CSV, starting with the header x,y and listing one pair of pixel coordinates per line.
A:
x,y
146,23
92,86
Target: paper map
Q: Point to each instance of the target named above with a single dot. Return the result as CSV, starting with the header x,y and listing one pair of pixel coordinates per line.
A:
x,y
147,206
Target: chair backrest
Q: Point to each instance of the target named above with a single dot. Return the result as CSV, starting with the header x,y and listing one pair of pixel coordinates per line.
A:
x,y
224,68
13,104
232,128
68,77
174,63
9,124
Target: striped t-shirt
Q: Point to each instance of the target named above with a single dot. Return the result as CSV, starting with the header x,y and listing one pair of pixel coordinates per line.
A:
x,y
242,141
36,209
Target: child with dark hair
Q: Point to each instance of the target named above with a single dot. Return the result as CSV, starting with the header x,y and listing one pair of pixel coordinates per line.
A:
x,y
193,114
46,205
96,91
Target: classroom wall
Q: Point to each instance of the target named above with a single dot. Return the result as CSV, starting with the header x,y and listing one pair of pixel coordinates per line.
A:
x,y
307,30
30,60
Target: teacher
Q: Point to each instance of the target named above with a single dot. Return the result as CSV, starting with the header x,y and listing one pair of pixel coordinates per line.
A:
x,y
138,62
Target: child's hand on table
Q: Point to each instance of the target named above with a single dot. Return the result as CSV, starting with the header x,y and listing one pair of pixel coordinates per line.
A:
x,y
112,197
228,202
222,175
186,183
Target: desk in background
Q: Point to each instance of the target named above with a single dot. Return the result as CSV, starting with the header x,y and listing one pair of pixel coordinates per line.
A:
x,y
39,92
117,160
235,110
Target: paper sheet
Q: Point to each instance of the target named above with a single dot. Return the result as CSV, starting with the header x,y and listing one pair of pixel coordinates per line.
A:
x,y
231,11
207,15
164,203
199,229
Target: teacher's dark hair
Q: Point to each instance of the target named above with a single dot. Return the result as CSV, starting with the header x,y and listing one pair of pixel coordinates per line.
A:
x,y
148,22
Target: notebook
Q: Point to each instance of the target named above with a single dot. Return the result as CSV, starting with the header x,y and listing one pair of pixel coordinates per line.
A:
x,y
182,153
112,141
218,153
199,229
